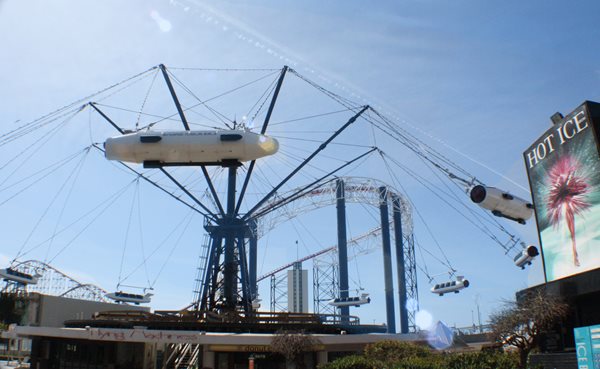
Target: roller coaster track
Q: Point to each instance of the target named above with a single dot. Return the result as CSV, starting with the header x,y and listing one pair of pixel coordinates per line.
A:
x,y
357,190
356,243
55,283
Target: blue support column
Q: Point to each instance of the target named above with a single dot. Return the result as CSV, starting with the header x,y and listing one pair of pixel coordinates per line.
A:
x,y
230,265
342,248
402,298
387,260
252,256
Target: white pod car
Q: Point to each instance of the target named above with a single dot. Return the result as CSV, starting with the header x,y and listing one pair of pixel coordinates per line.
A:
x,y
453,286
351,301
502,204
19,277
526,256
121,296
157,148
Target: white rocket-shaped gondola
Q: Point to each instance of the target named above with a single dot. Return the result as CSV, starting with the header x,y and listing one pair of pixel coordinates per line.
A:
x,y
14,275
121,296
351,301
452,286
158,148
502,203
525,257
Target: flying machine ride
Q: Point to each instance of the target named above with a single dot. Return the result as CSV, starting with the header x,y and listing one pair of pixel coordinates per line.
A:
x,y
452,286
501,203
351,301
170,148
525,257
14,275
122,297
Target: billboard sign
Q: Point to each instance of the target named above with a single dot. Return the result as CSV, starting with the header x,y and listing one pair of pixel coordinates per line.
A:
x,y
564,175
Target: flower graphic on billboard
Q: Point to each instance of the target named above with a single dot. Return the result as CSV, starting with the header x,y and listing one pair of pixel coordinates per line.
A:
x,y
568,188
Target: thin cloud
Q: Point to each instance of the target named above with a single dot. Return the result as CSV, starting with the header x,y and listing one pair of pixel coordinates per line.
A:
x,y
163,24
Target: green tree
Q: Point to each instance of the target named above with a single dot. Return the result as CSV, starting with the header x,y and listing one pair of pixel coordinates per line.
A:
x,y
519,324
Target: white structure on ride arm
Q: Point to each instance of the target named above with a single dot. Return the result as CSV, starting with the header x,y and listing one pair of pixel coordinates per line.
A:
x,y
189,147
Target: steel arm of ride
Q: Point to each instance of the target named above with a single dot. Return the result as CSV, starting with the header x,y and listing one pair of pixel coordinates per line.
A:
x,y
141,175
301,192
306,161
163,69
187,128
185,190
262,132
212,190
110,121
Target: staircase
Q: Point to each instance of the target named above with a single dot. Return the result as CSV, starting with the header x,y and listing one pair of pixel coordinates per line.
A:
x,y
202,265
182,356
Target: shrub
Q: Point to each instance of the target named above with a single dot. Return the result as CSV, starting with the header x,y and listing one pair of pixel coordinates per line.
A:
x,y
404,355
433,361
482,360
395,351
353,362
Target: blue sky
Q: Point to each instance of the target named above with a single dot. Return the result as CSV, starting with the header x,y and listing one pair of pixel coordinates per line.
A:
x,y
476,80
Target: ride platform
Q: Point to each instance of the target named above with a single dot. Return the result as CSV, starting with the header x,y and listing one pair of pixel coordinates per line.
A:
x,y
256,322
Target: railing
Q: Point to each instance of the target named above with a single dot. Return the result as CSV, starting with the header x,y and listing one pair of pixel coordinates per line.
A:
x,y
233,317
13,355
474,329
182,356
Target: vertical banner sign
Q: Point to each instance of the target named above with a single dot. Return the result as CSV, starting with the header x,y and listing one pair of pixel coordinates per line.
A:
x,y
587,346
564,175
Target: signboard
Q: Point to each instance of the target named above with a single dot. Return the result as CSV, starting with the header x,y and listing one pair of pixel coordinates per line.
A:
x,y
564,175
240,348
252,348
587,346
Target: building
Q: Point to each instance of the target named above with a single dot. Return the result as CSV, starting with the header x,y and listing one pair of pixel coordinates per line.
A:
x,y
69,333
140,347
297,289
562,166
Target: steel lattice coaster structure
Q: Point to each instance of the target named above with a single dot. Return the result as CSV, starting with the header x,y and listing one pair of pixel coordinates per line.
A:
x,y
52,281
330,265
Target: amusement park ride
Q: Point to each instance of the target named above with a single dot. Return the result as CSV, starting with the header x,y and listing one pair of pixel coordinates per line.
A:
x,y
133,298
18,277
182,148
502,204
351,301
228,284
453,286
